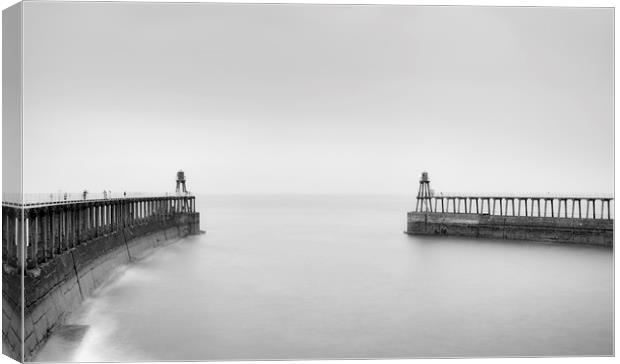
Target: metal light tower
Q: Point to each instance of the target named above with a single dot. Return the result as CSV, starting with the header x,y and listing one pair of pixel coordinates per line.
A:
x,y
181,182
423,203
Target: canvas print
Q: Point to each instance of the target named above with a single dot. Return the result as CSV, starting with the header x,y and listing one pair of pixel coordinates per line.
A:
x,y
221,181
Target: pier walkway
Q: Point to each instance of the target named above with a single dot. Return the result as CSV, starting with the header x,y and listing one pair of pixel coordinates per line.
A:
x,y
50,227
579,207
576,219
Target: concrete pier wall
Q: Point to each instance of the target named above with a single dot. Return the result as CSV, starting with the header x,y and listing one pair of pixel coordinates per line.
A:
x,y
11,314
64,250
561,230
55,289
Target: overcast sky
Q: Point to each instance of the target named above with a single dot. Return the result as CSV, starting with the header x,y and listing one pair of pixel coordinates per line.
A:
x,y
316,98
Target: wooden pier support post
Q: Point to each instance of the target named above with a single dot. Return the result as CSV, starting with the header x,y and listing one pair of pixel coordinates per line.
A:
x,y
77,223
62,230
49,235
107,216
44,235
36,237
58,226
30,255
103,219
98,220
65,228
40,237
69,227
13,245
54,230
83,224
89,220
565,207
113,217
12,237
110,217
608,209
119,215
20,239
77,219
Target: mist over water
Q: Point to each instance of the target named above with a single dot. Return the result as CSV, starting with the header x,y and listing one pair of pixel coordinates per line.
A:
x,y
284,277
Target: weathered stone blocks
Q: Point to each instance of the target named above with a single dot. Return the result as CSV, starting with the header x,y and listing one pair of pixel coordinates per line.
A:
x,y
561,230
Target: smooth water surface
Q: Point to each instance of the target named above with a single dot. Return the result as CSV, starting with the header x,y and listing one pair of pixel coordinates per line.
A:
x,y
282,277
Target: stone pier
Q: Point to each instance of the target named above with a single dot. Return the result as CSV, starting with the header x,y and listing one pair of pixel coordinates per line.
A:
x,y
552,218
64,250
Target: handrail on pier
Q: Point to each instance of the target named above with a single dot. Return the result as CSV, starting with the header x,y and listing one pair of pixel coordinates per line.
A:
x,y
536,205
41,199
51,228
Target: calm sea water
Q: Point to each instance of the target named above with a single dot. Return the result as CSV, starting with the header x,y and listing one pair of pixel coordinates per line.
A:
x,y
282,277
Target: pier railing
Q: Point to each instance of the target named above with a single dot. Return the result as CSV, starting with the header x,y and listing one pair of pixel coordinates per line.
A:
x,y
581,207
50,228
30,199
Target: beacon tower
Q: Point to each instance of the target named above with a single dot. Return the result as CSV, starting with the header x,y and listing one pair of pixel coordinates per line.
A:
x,y
181,188
423,203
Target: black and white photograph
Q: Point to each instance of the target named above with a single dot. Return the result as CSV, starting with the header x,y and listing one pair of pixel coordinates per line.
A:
x,y
220,181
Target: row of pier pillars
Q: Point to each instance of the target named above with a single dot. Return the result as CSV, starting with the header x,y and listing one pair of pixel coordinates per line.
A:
x,y
52,229
565,207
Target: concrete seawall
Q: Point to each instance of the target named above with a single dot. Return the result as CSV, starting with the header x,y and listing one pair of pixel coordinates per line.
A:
x,y
58,287
11,313
55,253
562,230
